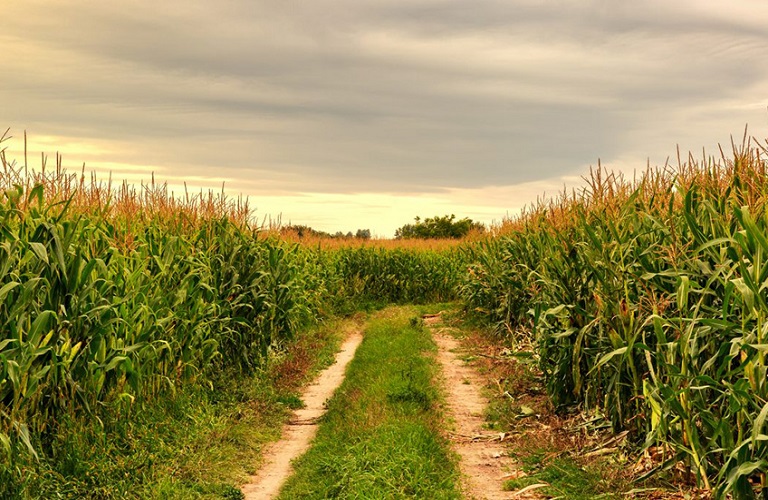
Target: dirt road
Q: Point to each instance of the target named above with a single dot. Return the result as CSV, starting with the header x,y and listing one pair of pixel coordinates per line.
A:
x,y
484,462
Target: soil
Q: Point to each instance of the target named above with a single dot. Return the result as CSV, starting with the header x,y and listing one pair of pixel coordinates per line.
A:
x,y
301,428
485,464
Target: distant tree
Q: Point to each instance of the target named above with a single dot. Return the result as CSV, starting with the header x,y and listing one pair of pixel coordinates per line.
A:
x,y
438,227
363,234
304,231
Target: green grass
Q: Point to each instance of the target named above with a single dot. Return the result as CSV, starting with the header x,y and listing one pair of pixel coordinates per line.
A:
x,y
380,437
564,476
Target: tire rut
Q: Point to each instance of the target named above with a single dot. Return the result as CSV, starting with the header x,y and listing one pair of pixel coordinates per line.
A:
x,y
484,462
301,428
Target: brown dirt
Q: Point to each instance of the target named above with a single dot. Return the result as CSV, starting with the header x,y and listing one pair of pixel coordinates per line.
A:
x,y
485,464
301,428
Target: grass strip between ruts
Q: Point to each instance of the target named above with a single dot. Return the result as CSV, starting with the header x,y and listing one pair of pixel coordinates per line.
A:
x,y
380,436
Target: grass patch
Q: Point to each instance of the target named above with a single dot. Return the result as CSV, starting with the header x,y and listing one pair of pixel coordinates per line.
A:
x,y
194,444
563,475
380,436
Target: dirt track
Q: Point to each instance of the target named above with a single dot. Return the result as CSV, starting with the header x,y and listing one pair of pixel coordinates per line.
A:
x,y
484,462
301,429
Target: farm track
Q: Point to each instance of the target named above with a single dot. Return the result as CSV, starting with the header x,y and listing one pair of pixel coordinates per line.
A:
x,y
301,429
484,463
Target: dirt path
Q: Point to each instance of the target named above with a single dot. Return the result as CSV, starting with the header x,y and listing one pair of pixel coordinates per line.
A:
x,y
300,430
484,462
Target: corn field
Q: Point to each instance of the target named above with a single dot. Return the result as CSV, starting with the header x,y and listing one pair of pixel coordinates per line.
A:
x,y
94,310
646,302
400,275
110,296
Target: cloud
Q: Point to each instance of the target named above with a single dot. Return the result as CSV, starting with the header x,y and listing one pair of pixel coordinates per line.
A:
x,y
387,96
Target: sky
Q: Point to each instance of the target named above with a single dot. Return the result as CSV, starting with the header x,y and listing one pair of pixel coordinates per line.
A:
x,y
347,114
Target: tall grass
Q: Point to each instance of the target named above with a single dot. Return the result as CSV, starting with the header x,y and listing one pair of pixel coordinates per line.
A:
x,y
646,301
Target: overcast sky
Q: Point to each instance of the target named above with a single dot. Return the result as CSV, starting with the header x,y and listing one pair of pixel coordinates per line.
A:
x,y
354,114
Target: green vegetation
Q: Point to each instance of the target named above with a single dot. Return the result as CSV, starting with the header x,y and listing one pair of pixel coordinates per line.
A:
x,y
439,227
549,450
381,437
561,477
91,324
301,232
193,443
399,275
646,304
